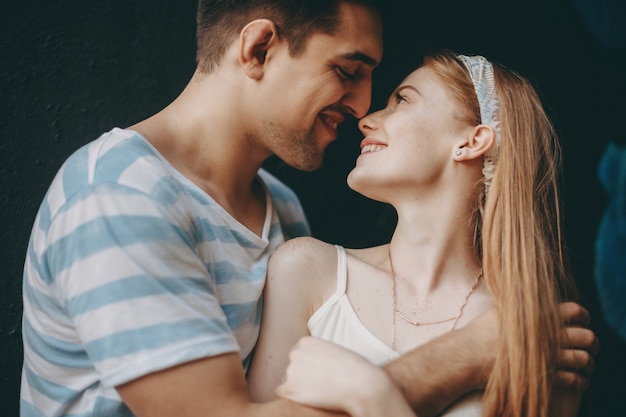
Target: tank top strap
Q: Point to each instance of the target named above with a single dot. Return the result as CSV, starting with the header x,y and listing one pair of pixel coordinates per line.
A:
x,y
342,270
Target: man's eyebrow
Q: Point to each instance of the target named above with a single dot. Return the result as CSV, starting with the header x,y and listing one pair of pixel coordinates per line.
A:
x,y
362,57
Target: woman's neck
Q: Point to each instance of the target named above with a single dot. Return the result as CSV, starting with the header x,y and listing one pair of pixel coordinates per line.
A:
x,y
433,242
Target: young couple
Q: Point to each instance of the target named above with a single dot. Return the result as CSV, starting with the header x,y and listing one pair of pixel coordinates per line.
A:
x,y
148,257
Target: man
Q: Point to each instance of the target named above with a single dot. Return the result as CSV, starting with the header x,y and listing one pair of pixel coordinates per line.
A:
x,y
148,255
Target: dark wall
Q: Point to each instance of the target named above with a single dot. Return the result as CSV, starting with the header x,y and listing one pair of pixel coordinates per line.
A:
x,y
71,70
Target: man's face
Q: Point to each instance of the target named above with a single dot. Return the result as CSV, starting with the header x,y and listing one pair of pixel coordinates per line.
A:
x,y
314,92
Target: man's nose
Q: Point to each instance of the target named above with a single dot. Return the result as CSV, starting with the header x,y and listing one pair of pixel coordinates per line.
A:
x,y
359,98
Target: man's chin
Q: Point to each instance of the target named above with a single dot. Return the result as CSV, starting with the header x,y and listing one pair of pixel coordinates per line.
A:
x,y
308,164
310,167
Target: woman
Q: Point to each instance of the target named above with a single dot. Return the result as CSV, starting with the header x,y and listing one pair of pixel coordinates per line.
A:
x,y
468,158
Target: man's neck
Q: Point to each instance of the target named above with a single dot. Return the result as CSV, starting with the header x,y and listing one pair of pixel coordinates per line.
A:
x,y
207,143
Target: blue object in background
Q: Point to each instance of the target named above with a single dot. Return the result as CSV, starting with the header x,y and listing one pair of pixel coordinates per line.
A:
x,y
605,20
610,268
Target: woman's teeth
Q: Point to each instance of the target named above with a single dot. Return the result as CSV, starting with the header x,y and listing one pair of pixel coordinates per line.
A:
x,y
371,148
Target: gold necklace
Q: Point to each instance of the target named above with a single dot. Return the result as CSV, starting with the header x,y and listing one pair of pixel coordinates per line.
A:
x,y
396,312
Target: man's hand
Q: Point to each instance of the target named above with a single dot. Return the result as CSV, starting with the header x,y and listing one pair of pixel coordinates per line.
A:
x,y
579,346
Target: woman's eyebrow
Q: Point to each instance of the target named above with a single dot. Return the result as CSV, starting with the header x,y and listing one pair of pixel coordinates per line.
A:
x,y
409,87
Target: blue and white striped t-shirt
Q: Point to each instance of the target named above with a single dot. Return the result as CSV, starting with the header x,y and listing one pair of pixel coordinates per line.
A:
x,y
131,268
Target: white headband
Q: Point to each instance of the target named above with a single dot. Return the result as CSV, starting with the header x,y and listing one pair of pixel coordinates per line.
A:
x,y
481,73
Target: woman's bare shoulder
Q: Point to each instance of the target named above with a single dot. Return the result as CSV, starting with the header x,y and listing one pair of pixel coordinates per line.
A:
x,y
303,261
303,249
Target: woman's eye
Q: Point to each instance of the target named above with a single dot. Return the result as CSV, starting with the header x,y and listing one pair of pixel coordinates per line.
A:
x,y
399,98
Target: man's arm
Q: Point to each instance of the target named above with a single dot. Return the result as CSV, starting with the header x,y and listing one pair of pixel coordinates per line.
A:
x,y
437,373
461,361
211,387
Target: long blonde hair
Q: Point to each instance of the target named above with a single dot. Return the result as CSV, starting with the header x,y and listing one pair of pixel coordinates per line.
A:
x,y
519,238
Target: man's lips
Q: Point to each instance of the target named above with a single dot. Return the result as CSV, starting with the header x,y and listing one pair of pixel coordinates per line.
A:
x,y
332,120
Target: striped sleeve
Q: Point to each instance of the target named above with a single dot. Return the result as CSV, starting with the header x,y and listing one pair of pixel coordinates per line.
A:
x,y
126,270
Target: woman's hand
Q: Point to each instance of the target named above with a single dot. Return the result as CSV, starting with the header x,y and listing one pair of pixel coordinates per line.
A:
x,y
328,376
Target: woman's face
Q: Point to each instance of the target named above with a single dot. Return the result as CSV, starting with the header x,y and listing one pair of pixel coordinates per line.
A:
x,y
409,144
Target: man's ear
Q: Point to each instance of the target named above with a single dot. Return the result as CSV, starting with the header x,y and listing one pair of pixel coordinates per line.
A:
x,y
256,38
479,141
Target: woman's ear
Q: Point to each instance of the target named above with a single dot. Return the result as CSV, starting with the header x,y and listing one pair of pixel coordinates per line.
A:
x,y
480,140
256,39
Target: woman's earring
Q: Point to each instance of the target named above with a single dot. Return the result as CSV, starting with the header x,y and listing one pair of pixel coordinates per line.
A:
x,y
458,152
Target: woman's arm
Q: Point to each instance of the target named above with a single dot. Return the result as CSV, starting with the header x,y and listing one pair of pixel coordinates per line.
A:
x,y
301,276
324,375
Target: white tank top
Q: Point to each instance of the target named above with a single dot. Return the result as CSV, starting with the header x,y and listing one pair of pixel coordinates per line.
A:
x,y
337,322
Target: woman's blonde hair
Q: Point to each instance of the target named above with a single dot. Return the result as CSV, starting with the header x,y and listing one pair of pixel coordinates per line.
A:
x,y
519,238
